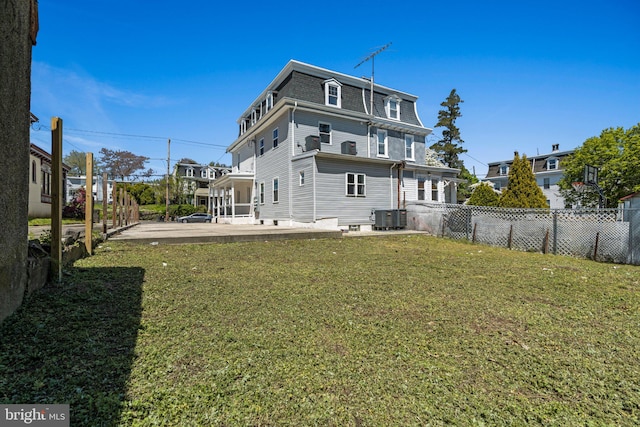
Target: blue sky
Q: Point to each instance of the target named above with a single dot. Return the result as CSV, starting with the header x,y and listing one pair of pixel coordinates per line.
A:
x,y
127,75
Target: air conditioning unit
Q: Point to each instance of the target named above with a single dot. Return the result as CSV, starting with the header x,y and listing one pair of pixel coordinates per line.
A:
x,y
312,142
349,147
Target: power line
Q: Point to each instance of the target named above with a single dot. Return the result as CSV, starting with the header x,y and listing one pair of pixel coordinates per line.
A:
x,y
128,135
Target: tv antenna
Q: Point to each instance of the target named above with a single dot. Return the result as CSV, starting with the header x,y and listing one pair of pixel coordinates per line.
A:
x,y
372,58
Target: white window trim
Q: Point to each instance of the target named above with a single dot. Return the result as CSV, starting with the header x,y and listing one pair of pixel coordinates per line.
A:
x,y
387,106
413,147
506,170
204,173
355,184
330,132
269,102
189,173
338,86
273,189
386,144
555,162
275,138
261,147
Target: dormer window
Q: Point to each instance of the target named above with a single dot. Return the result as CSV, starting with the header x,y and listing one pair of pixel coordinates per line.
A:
x,y
333,93
503,170
254,116
243,126
203,173
552,164
392,107
269,102
189,173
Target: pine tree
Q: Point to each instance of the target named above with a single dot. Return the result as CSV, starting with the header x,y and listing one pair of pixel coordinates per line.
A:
x,y
448,147
522,190
483,195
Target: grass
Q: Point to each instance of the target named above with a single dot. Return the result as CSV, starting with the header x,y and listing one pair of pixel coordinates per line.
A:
x,y
400,330
47,221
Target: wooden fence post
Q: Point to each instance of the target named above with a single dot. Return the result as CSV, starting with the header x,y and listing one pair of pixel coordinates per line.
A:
x,y
56,199
88,206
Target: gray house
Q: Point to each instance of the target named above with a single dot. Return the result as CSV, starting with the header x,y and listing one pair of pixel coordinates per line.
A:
x,y
196,183
547,168
310,153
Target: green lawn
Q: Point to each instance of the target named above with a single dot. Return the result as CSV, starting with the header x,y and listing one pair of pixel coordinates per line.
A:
x,y
391,331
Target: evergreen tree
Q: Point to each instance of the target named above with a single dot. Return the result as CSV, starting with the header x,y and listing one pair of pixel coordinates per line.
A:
x,y
522,190
464,188
484,195
448,147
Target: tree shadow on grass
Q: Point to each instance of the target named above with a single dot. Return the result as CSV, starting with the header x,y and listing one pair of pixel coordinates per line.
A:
x,y
74,343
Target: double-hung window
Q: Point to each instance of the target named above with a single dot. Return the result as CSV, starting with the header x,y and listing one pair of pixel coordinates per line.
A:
x,y
261,146
552,164
262,193
324,130
355,184
434,190
333,93
276,195
392,107
383,144
189,173
503,170
301,176
408,147
275,137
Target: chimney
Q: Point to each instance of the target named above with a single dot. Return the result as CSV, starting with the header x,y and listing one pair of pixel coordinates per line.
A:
x,y
555,148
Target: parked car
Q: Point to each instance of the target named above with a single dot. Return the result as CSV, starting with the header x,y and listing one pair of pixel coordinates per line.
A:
x,y
195,217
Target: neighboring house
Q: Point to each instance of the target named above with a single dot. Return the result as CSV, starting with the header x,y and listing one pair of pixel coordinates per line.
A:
x,y
632,201
311,153
40,182
547,169
196,180
74,183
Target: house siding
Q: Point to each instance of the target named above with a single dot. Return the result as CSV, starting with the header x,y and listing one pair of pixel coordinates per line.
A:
x,y
331,198
243,158
302,195
274,163
341,130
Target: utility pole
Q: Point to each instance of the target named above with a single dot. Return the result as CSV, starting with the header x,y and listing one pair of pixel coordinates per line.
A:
x,y
166,215
372,58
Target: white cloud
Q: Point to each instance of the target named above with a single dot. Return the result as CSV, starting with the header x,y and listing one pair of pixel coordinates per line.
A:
x,y
81,99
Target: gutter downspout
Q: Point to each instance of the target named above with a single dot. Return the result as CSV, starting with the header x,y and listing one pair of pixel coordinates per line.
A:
x,y
369,138
393,165
293,149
